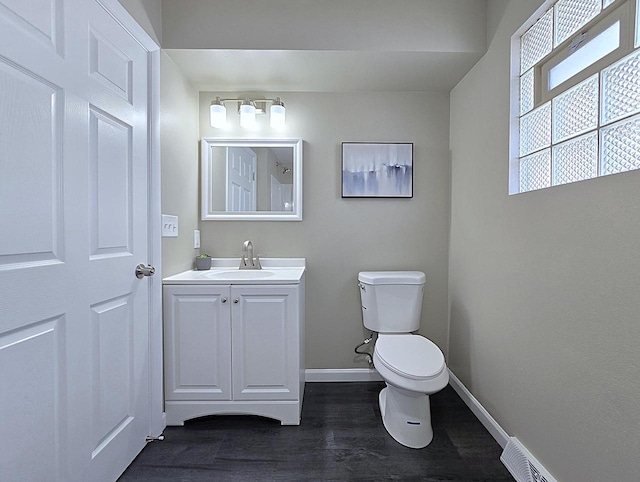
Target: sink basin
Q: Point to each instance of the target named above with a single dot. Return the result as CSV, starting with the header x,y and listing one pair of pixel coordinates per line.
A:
x,y
239,274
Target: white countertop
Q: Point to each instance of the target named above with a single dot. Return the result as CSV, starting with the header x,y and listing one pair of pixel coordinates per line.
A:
x,y
225,271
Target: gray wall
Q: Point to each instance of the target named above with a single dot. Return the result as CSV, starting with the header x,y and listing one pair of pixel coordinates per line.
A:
x,y
148,13
340,237
544,322
179,151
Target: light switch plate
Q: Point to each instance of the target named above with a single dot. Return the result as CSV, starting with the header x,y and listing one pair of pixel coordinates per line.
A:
x,y
196,238
169,226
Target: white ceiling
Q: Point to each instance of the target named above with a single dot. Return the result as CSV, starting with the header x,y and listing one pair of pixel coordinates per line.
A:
x,y
322,70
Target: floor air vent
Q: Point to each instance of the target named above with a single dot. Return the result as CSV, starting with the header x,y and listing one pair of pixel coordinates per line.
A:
x,y
522,465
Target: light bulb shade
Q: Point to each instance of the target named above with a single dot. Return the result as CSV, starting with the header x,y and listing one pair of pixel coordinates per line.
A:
x,y
218,115
277,115
247,115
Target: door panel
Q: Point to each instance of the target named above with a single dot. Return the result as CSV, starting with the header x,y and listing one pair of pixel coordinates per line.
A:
x,y
42,19
34,105
40,384
110,165
111,369
110,65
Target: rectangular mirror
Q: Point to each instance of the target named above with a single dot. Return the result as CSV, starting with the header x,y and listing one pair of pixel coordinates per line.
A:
x,y
251,179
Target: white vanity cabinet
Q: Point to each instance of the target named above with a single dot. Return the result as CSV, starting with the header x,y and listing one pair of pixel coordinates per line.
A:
x,y
234,349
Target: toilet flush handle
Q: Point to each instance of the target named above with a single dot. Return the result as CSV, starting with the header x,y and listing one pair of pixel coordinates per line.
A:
x,y
362,286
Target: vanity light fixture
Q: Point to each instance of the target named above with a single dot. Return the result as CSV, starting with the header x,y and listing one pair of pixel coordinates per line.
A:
x,y
248,109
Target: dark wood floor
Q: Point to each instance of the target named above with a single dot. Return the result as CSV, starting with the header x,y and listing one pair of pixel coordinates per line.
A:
x,y
341,437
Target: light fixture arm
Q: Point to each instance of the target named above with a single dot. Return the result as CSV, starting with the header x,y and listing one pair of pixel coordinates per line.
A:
x,y
255,102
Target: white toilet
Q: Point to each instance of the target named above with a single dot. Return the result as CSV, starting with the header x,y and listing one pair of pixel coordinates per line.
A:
x,y
412,366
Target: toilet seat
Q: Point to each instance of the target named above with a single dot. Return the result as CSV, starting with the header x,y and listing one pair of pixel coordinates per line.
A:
x,y
410,356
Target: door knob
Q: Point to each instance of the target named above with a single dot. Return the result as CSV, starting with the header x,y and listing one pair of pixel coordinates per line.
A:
x,y
144,270
224,300
236,300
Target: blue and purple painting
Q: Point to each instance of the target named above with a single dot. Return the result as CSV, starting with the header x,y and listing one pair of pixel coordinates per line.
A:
x,y
377,169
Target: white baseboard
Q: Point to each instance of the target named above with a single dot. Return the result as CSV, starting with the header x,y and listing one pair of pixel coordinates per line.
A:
x,y
496,431
341,375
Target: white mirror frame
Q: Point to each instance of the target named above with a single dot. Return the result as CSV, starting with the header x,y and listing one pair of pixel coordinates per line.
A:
x,y
208,214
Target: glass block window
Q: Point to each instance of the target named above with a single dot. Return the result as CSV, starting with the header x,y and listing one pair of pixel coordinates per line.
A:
x,y
535,171
571,15
576,159
586,123
621,89
620,147
537,42
535,130
526,92
576,110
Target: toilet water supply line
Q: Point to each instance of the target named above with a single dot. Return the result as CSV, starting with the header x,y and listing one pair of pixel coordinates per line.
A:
x,y
365,353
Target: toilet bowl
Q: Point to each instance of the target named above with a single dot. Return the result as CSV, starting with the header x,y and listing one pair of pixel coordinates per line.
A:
x,y
412,366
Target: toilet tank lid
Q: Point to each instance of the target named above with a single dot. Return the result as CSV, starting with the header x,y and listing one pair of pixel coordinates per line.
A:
x,y
392,277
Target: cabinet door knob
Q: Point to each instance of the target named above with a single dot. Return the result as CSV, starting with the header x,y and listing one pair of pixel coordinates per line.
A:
x,y
224,300
236,300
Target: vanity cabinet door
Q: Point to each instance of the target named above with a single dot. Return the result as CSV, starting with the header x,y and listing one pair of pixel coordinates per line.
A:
x,y
265,342
197,330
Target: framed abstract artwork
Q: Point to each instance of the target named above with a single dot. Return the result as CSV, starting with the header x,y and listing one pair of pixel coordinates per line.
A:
x,y
377,170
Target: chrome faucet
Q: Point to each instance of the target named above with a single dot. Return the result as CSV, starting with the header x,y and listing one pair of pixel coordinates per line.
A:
x,y
248,261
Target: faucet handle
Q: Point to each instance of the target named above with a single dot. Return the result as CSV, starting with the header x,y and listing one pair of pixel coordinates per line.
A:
x,y
256,263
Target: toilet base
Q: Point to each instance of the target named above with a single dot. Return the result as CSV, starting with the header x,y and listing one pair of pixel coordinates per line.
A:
x,y
406,416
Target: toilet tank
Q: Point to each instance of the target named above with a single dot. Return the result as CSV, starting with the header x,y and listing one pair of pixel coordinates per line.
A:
x,y
391,300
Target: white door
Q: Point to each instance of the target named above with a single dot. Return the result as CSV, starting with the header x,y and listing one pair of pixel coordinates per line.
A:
x,y
74,318
241,179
